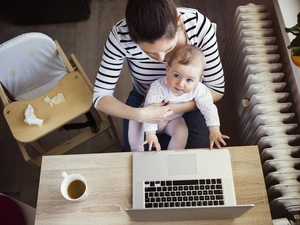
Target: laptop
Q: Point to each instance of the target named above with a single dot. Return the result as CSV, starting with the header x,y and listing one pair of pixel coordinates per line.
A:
x,y
178,185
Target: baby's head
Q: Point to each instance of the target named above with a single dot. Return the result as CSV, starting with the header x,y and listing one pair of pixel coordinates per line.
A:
x,y
185,68
189,55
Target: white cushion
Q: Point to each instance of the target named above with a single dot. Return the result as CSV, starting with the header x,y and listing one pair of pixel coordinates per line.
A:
x,y
30,65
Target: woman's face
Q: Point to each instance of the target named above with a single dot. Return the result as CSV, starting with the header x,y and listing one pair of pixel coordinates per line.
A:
x,y
159,49
163,46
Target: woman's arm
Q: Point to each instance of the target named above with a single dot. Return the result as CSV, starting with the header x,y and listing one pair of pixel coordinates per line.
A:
x,y
216,96
179,108
204,36
153,113
191,105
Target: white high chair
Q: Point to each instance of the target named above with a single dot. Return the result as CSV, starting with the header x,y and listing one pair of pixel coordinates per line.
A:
x,y
34,67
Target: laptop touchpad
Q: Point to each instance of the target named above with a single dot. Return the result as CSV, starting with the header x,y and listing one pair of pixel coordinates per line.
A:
x,y
182,164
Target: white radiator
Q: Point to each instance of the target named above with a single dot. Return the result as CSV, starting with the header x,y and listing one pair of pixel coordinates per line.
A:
x,y
256,92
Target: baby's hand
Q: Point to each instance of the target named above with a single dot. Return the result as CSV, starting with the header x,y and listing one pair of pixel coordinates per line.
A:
x,y
216,137
152,140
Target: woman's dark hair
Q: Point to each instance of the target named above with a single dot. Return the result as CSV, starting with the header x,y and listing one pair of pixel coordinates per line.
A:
x,y
151,20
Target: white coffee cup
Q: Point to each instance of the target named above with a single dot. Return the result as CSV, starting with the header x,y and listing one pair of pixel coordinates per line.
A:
x,y
74,187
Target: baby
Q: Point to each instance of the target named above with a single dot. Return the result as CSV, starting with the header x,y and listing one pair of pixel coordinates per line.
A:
x,y
182,83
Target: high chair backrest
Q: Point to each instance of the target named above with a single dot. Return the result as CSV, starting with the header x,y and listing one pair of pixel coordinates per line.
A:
x,y
30,65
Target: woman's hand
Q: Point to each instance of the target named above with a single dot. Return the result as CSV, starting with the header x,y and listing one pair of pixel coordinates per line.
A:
x,y
154,113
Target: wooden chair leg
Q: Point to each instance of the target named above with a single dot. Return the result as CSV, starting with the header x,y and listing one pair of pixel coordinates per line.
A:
x,y
113,132
38,147
25,154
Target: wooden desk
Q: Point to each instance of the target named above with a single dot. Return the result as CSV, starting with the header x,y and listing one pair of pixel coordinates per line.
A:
x,y
109,181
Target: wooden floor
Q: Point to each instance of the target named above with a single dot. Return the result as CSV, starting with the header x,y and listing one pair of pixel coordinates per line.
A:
x,y
85,39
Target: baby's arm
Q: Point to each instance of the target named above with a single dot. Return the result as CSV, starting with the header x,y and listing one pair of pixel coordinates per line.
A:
x,y
215,137
205,103
152,140
155,95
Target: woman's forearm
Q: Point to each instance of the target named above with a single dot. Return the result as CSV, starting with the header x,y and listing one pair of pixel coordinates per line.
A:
x,y
191,105
112,106
184,107
216,96
153,113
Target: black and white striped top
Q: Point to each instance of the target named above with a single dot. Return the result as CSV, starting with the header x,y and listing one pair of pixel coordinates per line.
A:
x,y
145,70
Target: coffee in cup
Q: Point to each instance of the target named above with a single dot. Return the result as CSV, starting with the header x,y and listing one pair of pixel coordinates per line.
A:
x,y
74,187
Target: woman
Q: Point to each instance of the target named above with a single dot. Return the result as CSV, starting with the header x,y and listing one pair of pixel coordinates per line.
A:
x,y
147,37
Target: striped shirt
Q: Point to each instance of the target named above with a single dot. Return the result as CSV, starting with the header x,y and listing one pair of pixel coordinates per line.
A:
x,y
145,70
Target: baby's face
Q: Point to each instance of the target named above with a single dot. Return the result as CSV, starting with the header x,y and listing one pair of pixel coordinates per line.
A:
x,y
182,79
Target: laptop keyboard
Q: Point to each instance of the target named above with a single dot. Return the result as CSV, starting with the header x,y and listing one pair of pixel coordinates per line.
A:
x,y
183,193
